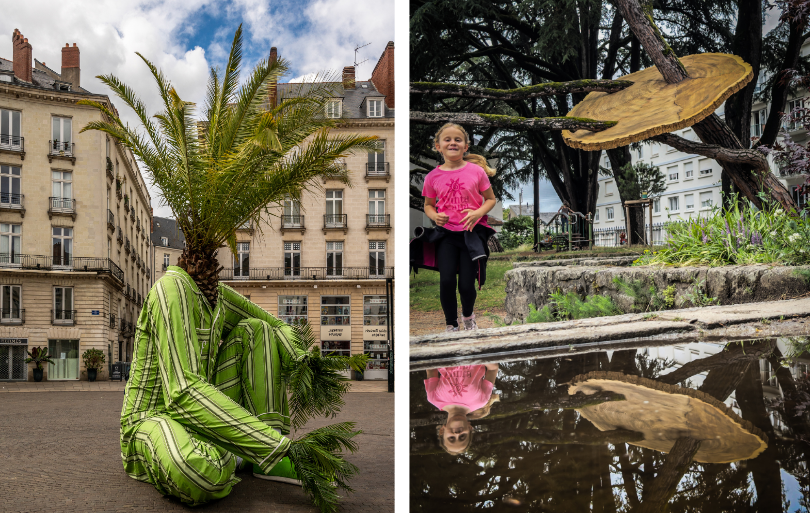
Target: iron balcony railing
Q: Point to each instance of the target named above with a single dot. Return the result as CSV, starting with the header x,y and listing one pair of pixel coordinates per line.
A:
x,y
11,200
138,224
126,243
335,221
62,263
61,148
140,299
120,235
110,219
377,169
306,273
12,142
63,317
378,220
112,320
12,316
62,204
132,213
294,221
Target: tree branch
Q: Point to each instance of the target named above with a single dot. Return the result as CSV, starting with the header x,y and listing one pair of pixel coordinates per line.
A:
x,y
511,122
521,93
751,157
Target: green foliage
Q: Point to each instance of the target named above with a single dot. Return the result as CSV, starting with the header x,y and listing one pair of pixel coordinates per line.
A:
x,y
516,232
645,297
93,358
739,235
320,466
39,355
244,159
795,348
640,177
697,295
564,307
669,296
803,274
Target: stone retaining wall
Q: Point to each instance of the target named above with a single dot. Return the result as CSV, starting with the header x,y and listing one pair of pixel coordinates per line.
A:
x,y
730,284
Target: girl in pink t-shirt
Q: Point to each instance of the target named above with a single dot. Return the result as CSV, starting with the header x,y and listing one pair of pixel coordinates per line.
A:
x,y
458,197
465,393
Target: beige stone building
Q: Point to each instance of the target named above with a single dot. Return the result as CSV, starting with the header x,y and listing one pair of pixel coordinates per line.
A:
x,y
326,258
167,243
74,221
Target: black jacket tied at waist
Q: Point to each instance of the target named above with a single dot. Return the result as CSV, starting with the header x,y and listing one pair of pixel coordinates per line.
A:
x,y
423,248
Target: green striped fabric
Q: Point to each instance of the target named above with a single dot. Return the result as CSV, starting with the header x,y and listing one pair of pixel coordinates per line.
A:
x,y
184,416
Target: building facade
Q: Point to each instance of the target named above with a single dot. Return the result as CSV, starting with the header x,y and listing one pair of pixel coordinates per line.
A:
x,y
74,214
168,243
326,258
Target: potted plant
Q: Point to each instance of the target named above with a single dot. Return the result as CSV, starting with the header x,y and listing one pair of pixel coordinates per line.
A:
x,y
38,355
93,360
126,202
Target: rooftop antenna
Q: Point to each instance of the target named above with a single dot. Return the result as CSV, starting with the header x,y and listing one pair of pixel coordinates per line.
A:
x,y
355,55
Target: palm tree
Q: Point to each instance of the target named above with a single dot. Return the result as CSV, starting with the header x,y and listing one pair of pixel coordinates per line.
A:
x,y
217,174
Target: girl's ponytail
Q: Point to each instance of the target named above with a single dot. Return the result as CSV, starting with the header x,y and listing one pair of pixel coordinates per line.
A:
x,y
480,161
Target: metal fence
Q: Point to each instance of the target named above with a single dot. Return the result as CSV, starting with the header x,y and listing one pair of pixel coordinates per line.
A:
x,y
307,273
611,237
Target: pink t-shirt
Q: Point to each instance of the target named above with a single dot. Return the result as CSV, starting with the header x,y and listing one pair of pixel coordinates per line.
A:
x,y
457,190
463,386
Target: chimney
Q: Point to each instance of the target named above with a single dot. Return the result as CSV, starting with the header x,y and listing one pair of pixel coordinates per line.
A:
x,y
348,77
71,72
383,75
22,56
274,87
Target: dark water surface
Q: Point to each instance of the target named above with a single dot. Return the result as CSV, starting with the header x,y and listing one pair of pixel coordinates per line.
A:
x,y
702,427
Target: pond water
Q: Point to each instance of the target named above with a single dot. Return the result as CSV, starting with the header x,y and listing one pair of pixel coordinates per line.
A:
x,y
705,427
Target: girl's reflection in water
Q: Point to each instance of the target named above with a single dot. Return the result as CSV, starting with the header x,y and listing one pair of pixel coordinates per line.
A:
x,y
465,393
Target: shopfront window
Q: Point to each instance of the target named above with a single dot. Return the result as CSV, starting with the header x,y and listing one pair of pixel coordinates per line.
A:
x,y
336,330
65,356
375,336
292,309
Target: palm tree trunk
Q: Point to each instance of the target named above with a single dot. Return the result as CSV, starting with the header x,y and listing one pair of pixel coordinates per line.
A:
x,y
204,270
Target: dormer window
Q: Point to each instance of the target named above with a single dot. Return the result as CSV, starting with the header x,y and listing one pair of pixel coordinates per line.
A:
x,y
5,78
375,108
334,108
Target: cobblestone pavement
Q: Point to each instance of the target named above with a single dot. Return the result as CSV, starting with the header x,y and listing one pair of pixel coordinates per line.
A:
x,y
59,452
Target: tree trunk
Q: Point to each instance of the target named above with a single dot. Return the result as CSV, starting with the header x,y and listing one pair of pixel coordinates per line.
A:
x,y
204,270
536,216
656,496
711,130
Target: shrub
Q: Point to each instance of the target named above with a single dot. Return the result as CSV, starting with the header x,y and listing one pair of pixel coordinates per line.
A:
x,y
516,232
93,358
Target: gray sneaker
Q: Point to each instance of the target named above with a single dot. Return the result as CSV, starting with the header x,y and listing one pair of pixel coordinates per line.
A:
x,y
450,327
469,324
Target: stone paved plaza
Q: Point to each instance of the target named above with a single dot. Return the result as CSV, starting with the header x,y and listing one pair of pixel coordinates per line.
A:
x,y
59,451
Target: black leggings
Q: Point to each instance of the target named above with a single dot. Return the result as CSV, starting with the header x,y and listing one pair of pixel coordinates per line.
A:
x,y
453,257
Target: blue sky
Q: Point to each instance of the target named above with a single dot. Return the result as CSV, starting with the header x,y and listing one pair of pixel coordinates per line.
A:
x,y
186,38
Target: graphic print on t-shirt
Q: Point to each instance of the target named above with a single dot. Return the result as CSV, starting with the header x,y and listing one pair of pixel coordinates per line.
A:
x,y
456,199
455,378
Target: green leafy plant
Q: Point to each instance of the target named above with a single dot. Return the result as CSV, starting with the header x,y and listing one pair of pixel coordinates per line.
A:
x,y
563,307
645,297
668,296
516,232
93,358
39,355
697,295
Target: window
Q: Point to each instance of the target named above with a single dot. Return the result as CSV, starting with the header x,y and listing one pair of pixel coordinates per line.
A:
x,y
62,246
596,215
336,311
10,243
705,167
334,108
791,106
10,186
688,170
164,241
292,213
107,147
65,354
673,204
653,150
609,188
292,259
292,309
334,209
375,311
375,109
657,205
689,201
376,207
672,173
758,118
62,134
609,213
241,263
62,190
10,303
10,130
376,258
706,199
760,82
641,152
334,258
376,160
63,305
109,249
165,261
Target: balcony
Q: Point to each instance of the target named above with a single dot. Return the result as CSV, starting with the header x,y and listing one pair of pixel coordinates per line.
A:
x,y
337,176
132,213
378,222
62,150
140,299
306,273
119,235
14,261
110,171
12,316
377,170
110,220
61,207
247,226
335,222
127,247
12,203
63,317
165,267
118,189
138,224
295,223
112,321
13,144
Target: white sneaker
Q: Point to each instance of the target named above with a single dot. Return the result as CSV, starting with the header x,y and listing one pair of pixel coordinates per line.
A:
x,y
450,327
469,322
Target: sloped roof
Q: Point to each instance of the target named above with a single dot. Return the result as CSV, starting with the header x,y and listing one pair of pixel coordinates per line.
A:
x,y
42,79
353,106
165,227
